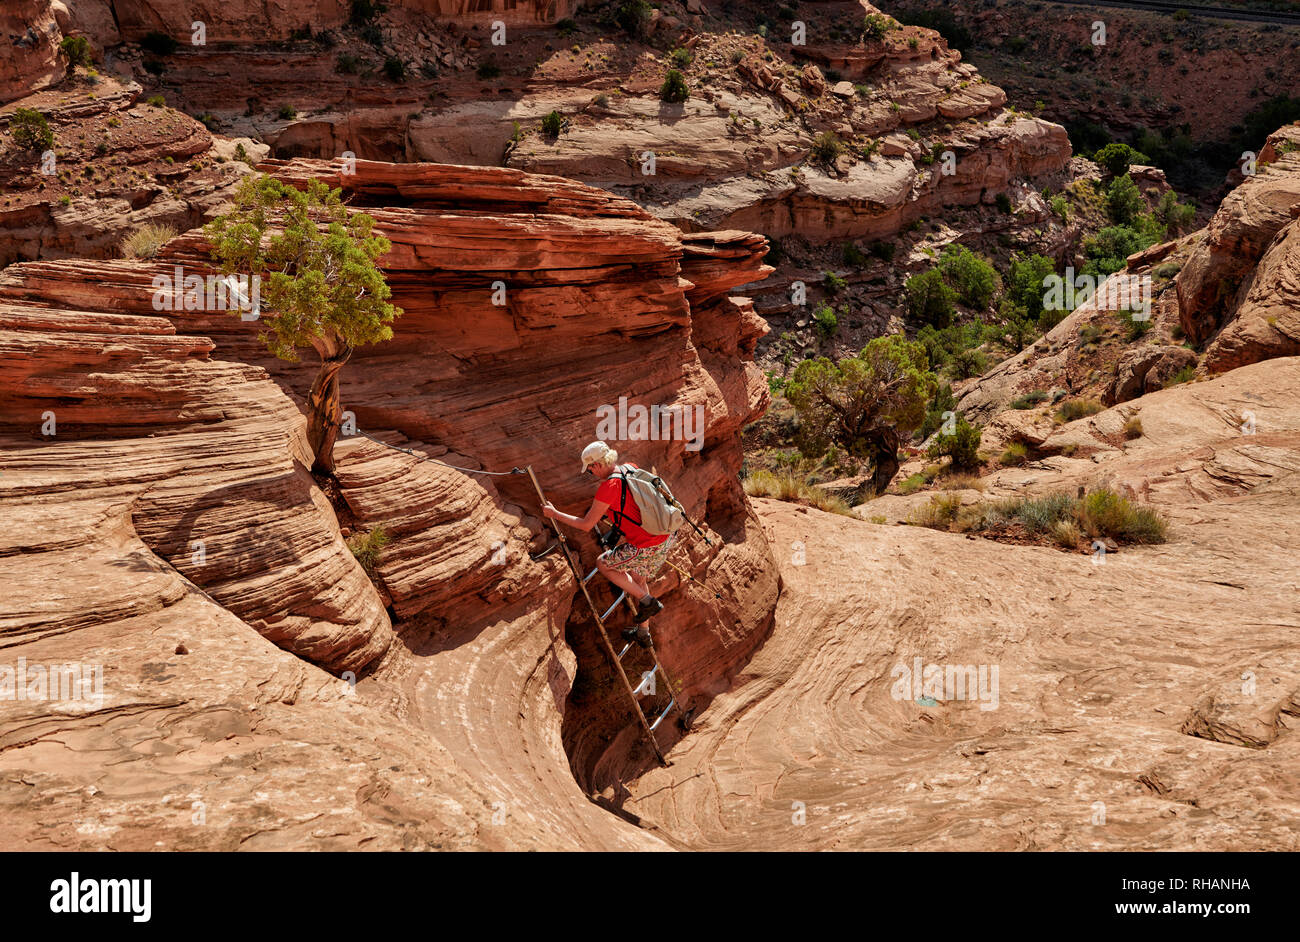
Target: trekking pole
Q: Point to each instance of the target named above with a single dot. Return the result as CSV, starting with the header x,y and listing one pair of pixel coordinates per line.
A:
x,y
716,594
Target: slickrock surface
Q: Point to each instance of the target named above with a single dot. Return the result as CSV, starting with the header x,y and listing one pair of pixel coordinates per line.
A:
x,y
1248,317
175,427
1120,685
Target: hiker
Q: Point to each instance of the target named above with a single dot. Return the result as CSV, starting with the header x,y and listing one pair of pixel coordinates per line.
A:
x,y
633,563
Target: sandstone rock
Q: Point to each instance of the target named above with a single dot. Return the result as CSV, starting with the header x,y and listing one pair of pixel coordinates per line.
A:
x,y
29,52
844,89
1147,369
1267,321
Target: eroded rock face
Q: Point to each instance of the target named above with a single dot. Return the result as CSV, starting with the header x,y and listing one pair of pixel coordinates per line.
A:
x,y
1210,285
179,455
1267,321
1147,369
29,48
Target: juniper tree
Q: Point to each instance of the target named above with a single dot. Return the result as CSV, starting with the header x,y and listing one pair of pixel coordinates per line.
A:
x,y
867,405
320,287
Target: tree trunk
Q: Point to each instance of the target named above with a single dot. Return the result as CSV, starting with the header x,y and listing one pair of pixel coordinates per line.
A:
x,y
885,460
323,411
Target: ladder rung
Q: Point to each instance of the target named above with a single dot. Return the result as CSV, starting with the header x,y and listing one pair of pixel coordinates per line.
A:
x,y
655,725
610,610
624,651
589,575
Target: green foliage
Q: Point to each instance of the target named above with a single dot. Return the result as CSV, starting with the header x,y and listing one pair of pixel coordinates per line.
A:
x,y
347,64
1124,200
1030,399
316,258
1017,453
395,69
552,124
947,348
833,283
368,548
929,299
674,88
943,401
876,25
1107,252
1176,217
826,147
488,70
156,101
961,446
1185,375
30,130
1073,409
77,51
1061,207
865,404
147,240
1116,158
1135,328
633,17
853,256
1105,513
884,250
287,112
680,58
970,275
566,27
941,21
1003,203
825,320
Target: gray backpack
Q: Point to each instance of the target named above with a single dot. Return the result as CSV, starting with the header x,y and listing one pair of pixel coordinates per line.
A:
x,y
660,512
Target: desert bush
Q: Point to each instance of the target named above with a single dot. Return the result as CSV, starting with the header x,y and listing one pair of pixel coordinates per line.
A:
x,y
825,321
552,124
368,548
1185,375
1003,203
30,130
1167,270
395,69
961,482
826,147
961,447
939,513
77,51
970,275
287,112
1015,454
884,250
1124,200
875,25
833,283
147,240
1104,513
1029,399
929,299
853,256
1065,533
633,16
1133,428
674,88
156,101
1078,409
680,58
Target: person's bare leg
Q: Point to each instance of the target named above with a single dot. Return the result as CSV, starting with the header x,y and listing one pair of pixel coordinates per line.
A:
x,y
621,579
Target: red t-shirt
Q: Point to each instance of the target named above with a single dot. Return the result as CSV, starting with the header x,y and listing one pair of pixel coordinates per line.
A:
x,y
610,492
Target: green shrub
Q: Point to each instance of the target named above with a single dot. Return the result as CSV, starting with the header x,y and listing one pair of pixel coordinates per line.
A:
x,y
938,514
833,283
1029,400
680,58
961,447
395,69
853,256
1135,327
674,88
929,299
826,147
1017,453
825,320
1104,513
884,250
287,112
633,17
30,130
368,548
1133,428
970,275
1173,215
1075,409
875,25
552,124
1124,200
1116,158
566,27
1167,270
1003,203
912,483
77,51
156,101
967,362
488,70
1185,375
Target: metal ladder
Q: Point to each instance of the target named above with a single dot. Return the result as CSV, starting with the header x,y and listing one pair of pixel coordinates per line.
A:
x,y
647,727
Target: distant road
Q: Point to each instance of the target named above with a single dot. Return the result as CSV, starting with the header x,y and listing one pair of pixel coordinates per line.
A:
x,y
1222,13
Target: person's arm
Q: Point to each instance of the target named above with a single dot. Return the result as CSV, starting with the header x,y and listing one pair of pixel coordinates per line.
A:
x,y
598,508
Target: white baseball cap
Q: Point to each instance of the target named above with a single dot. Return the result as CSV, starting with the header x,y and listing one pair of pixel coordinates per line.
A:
x,y
594,454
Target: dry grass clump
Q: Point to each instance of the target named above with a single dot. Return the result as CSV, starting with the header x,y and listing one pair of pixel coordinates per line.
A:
x,y
147,240
1133,428
791,487
1077,409
368,548
1059,518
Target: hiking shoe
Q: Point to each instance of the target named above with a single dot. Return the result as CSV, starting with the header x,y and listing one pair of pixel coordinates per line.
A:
x,y
638,633
646,610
